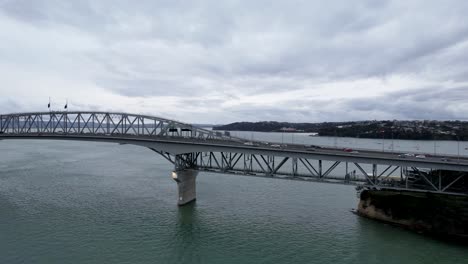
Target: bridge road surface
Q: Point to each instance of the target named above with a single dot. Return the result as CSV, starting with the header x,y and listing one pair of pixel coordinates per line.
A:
x,y
242,145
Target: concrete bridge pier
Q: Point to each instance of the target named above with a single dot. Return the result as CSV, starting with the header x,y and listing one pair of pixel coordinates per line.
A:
x,y
186,183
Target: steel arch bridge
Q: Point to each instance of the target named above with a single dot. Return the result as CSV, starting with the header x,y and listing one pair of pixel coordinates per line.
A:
x,y
192,149
101,123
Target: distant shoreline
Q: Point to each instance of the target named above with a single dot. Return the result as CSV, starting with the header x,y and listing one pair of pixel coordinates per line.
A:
x,y
386,139
405,130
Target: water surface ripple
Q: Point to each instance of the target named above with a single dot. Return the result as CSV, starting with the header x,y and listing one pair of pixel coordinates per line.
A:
x,y
75,202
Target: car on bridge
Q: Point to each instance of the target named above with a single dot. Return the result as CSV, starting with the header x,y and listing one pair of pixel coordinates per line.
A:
x,y
315,146
406,155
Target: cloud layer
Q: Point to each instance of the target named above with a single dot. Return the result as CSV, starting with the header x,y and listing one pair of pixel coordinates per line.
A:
x,y
225,61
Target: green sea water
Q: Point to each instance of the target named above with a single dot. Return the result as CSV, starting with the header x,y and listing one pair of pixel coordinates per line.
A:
x,y
75,202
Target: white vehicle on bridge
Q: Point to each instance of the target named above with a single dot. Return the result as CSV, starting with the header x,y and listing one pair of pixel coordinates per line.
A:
x,y
406,155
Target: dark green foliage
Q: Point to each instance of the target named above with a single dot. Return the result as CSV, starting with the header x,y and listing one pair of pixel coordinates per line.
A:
x,y
434,213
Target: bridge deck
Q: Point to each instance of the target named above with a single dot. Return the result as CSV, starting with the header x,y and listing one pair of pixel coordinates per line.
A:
x,y
178,145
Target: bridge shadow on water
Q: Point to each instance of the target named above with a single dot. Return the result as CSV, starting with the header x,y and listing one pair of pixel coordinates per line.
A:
x,y
187,214
188,235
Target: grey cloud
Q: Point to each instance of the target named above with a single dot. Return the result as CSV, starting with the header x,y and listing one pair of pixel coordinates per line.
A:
x,y
337,44
151,87
24,10
9,105
206,54
425,103
201,102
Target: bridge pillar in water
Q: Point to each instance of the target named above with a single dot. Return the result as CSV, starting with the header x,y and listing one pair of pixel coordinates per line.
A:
x,y
186,184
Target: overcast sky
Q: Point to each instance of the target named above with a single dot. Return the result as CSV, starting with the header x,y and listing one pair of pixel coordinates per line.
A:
x,y
225,61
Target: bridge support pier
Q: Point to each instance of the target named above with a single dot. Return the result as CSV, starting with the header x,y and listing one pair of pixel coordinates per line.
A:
x,y
186,183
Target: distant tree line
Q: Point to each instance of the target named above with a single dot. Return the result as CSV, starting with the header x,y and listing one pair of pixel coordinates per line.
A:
x,y
417,130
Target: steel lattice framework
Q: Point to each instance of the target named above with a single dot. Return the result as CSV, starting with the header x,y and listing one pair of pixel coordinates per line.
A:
x,y
371,176
257,159
101,123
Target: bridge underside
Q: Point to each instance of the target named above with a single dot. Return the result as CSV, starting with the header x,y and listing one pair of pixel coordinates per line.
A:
x,y
369,176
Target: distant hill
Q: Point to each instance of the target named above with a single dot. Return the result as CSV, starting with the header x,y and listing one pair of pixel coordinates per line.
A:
x,y
418,129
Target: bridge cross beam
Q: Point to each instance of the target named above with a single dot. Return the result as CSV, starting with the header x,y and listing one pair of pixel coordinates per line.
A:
x,y
294,166
186,161
271,164
248,163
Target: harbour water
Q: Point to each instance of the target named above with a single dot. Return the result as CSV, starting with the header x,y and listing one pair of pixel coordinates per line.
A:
x,y
76,202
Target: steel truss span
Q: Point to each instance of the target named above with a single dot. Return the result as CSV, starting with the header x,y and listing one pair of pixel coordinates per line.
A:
x,y
103,124
192,148
371,176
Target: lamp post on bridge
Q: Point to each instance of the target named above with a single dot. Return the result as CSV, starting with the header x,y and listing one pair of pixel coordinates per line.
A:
x,y
336,143
282,136
383,140
251,136
393,148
